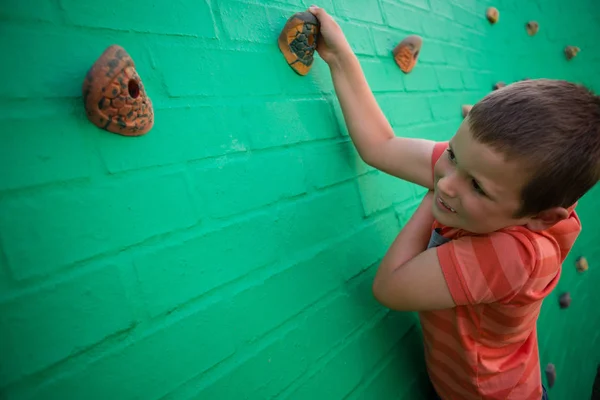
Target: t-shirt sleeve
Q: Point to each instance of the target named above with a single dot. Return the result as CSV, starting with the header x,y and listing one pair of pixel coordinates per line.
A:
x,y
438,150
486,269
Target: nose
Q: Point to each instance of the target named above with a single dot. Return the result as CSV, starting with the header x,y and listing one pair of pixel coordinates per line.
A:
x,y
447,186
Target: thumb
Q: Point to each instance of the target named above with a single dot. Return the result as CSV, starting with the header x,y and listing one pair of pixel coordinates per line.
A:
x,y
317,11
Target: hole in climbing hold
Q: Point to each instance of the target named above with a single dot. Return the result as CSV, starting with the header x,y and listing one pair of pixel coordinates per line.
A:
x,y
134,88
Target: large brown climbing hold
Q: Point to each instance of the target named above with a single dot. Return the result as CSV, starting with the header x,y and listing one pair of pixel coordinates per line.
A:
x,y
571,51
532,28
550,371
298,41
406,53
565,300
492,14
114,96
499,85
581,264
466,109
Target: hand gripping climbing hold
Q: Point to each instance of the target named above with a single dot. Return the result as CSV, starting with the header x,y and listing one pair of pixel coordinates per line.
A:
x,y
492,14
571,51
298,41
114,96
532,28
406,53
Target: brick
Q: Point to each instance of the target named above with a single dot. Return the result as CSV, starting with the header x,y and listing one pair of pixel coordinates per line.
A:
x,y
456,56
404,18
385,40
246,22
205,262
406,361
33,45
421,79
18,10
383,75
42,150
432,52
189,17
332,163
179,135
417,3
449,78
402,110
313,336
442,7
438,130
359,37
212,74
366,10
154,365
363,353
380,191
52,323
312,220
230,187
295,289
304,120
97,218
446,106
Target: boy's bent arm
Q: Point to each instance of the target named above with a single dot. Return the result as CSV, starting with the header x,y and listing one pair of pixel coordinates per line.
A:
x,y
370,131
410,277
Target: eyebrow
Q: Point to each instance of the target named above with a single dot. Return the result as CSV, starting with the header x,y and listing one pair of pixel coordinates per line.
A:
x,y
492,197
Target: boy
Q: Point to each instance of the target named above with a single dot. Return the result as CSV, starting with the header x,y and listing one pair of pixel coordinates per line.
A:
x,y
485,246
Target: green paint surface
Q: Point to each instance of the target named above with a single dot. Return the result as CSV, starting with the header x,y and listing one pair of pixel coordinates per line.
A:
x,y
229,253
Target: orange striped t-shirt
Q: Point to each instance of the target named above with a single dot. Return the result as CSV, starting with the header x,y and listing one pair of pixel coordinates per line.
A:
x,y
486,347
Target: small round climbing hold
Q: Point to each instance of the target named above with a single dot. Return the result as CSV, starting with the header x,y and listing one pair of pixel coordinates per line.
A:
x,y
581,264
550,371
564,300
571,51
466,109
499,85
532,28
492,14
406,53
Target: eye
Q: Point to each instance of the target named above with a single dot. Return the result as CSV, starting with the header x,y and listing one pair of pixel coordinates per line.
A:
x,y
451,155
477,188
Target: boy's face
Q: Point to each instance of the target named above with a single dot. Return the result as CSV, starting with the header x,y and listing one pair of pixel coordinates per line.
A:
x,y
475,188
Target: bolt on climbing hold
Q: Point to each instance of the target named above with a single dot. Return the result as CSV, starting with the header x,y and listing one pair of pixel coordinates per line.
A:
x,y
406,53
571,51
298,41
532,28
565,300
581,264
550,371
114,96
466,109
499,85
492,14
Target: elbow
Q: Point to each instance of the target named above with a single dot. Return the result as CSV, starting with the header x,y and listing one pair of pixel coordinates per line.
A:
x,y
379,292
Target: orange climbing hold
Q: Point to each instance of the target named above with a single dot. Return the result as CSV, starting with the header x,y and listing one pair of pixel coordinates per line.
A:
x,y
532,28
581,264
499,85
406,53
466,109
492,14
571,51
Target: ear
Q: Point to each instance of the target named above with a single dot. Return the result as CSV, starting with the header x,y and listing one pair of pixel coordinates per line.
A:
x,y
547,218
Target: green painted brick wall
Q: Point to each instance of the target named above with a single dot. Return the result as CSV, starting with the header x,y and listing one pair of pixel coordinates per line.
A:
x,y
229,253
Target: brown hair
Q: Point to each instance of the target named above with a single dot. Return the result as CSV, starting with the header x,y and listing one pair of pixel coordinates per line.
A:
x,y
553,127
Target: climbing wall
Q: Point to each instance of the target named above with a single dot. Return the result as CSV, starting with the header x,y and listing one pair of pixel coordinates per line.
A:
x,y
228,252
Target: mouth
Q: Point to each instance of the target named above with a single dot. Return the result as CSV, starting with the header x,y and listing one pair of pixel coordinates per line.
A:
x,y
444,206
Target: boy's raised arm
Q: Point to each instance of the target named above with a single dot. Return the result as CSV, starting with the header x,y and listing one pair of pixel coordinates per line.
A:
x,y
369,129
